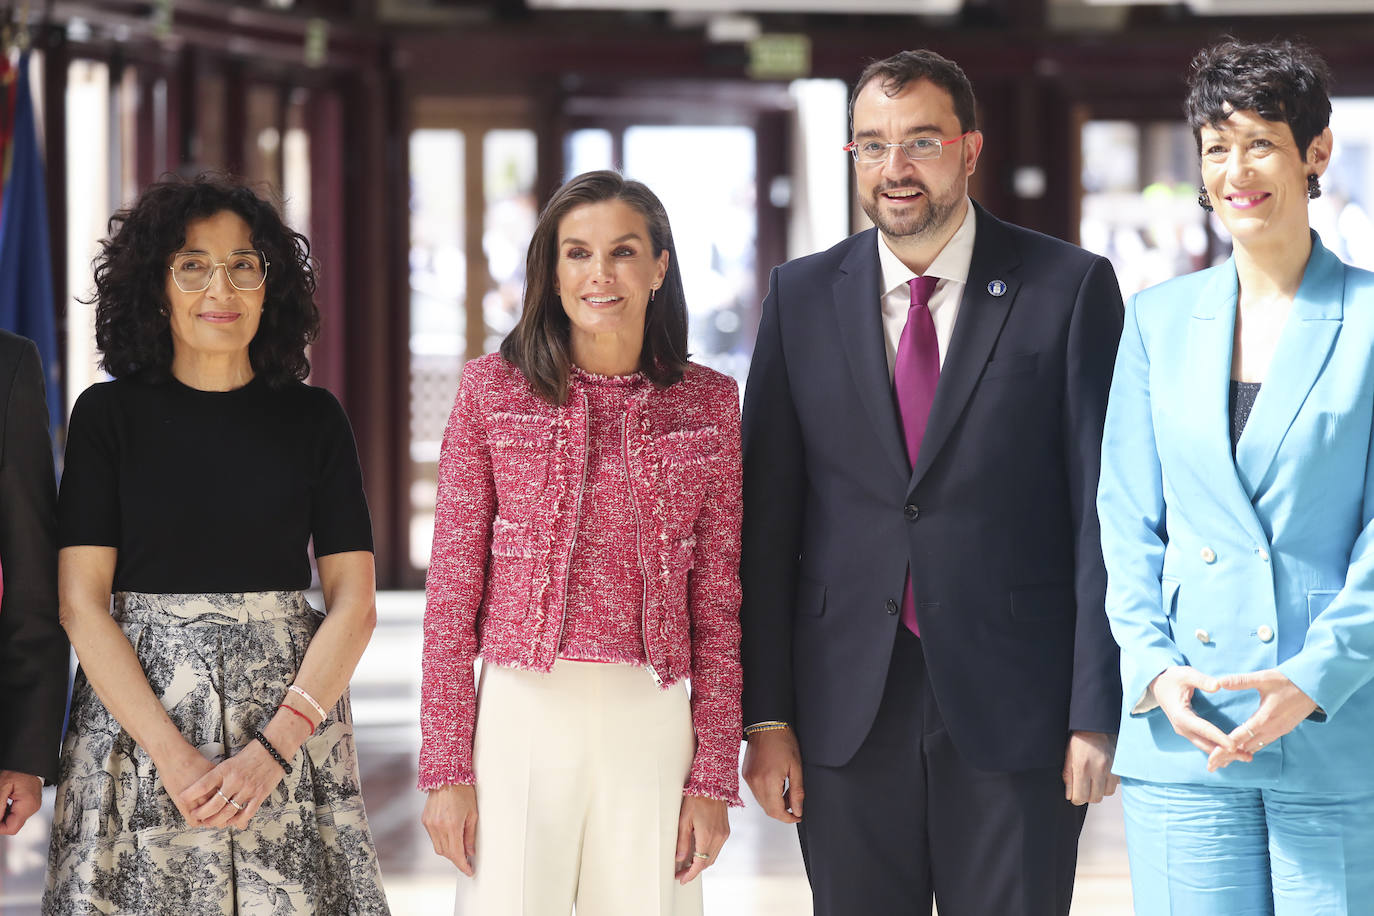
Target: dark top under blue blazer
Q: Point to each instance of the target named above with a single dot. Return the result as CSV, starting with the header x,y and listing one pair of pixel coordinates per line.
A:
x,y
997,521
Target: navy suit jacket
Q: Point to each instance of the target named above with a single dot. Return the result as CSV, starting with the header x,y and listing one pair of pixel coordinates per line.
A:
x,y
997,520
33,647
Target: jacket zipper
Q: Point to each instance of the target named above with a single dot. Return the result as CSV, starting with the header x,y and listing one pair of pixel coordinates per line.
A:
x,y
577,516
639,555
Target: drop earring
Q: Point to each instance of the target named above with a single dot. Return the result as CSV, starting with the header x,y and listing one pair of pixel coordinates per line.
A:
x,y
1203,200
1314,186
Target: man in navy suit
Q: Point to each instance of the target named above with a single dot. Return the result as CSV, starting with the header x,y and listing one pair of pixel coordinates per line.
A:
x,y
33,647
926,655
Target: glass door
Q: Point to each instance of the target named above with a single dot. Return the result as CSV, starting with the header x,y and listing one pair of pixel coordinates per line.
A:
x,y
472,211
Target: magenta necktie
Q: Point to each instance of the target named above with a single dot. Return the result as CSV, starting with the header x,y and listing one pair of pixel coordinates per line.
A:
x,y
915,373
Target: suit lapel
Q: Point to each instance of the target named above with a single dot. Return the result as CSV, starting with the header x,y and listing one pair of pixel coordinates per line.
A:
x,y
981,317
858,313
1307,337
1206,384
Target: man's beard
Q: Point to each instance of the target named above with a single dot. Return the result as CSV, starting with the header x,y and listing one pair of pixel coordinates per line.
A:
x,y
934,217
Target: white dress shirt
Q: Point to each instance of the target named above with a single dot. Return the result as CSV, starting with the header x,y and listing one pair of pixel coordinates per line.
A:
x,y
950,265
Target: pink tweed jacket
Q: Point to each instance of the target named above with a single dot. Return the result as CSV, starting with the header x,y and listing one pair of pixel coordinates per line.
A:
x,y
511,478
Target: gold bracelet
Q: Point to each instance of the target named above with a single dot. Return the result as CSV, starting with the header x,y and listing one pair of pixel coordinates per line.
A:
x,y
769,726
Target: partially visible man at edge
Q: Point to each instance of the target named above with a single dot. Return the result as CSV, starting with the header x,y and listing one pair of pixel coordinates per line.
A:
x,y
926,656
33,648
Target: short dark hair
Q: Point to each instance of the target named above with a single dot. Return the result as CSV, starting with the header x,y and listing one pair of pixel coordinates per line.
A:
x,y
1279,81
906,67
539,344
131,329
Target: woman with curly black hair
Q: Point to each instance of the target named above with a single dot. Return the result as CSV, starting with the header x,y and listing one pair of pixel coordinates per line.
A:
x,y
209,763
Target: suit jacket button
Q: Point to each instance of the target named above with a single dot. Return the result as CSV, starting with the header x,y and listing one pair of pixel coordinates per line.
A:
x,y
1202,636
1265,633
911,512
1209,555
891,606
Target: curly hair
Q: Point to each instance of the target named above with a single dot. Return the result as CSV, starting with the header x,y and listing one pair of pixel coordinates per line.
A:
x,y
1279,81
539,345
131,328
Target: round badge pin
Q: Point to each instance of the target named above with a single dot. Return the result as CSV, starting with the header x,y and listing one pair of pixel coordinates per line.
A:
x,y
997,288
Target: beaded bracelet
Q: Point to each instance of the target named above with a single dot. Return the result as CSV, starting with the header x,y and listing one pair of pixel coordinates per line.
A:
x,y
770,726
289,708
259,737
309,699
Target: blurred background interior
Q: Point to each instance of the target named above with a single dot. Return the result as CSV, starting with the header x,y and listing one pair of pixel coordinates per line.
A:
x,y
414,141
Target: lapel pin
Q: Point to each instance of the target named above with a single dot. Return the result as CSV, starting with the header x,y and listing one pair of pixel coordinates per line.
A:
x,y
997,288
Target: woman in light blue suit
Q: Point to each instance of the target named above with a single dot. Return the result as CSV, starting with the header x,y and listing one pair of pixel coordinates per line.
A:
x,y
1237,509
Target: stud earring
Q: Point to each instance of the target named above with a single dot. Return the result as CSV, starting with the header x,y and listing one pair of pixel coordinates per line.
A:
x,y
1314,186
1203,200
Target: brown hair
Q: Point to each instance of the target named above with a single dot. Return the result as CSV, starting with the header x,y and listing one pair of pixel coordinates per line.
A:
x,y
895,73
539,343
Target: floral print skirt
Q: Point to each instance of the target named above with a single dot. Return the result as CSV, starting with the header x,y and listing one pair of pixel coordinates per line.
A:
x,y
220,663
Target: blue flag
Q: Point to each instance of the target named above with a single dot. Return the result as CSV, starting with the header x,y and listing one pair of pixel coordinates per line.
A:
x,y
26,294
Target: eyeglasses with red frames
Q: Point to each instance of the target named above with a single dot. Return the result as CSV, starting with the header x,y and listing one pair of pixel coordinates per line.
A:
x,y
870,152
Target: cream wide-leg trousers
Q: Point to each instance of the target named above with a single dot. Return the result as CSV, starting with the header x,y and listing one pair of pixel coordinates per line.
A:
x,y
579,785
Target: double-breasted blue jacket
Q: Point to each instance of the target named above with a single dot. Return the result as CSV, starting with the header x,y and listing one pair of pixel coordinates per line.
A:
x,y
1263,561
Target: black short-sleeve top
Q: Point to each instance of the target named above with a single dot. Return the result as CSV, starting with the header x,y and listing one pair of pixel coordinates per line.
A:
x,y
211,491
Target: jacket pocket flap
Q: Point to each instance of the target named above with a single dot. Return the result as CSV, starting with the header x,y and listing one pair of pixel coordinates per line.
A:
x,y
1168,590
810,598
1042,602
1014,364
509,539
689,447
686,549
520,431
1319,599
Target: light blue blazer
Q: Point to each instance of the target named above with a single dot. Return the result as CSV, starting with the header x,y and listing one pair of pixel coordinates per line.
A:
x,y
1265,561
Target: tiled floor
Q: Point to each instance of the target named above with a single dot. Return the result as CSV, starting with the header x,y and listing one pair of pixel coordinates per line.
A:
x,y
759,873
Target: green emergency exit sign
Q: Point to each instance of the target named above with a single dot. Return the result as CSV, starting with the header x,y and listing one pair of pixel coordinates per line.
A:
x,y
774,57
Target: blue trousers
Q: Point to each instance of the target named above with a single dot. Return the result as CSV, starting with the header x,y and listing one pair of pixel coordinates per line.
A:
x,y
1215,851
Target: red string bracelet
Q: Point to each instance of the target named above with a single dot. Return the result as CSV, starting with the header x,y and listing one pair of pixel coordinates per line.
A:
x,y
289,708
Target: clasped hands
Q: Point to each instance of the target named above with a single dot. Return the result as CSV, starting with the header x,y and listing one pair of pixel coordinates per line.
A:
x,y
228,793
1282,706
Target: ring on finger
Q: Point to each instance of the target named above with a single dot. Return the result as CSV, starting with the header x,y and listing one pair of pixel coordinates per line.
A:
x,y
229,801
1251,732
701,855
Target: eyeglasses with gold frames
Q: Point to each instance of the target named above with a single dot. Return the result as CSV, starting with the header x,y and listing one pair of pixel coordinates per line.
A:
x,y
246,270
